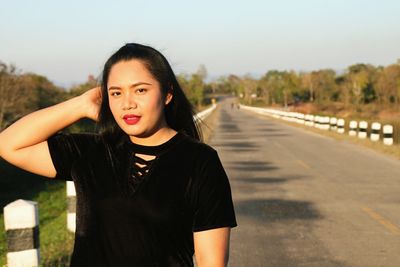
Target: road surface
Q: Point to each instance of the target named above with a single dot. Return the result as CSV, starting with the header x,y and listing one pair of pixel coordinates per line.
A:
x,y
302,199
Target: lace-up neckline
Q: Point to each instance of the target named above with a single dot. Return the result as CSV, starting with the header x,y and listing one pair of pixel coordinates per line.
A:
x,y
144,158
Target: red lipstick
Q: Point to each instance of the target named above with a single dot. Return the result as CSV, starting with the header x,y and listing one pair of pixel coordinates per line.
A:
x,y
131,119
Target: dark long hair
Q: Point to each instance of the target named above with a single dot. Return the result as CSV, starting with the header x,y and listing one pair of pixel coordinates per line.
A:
x,y
178,113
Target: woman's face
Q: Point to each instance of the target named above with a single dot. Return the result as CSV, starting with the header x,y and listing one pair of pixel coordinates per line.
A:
x,y
136,99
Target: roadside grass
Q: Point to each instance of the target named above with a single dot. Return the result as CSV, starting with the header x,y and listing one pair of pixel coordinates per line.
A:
x,y
56,242
369,113
393,150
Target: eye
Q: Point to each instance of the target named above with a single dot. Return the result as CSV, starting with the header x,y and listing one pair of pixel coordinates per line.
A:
x,y
113,93
141,91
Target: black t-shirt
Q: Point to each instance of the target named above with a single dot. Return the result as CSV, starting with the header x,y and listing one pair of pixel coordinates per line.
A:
x,y
127,216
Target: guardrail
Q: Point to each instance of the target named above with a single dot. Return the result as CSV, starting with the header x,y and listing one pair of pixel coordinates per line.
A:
x,y
356,128
205,113
21,221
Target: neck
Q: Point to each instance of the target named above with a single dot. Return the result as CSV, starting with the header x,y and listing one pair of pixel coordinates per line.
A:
x,y
159,137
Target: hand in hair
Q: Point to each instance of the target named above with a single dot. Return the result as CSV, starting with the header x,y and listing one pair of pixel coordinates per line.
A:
x,y
92,98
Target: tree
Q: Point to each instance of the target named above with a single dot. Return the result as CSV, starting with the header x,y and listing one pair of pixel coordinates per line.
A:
x,y
360,79
343,89
81,88
13,97
249,87
234,82
273,85
309,82
388,85
43,91
279,86
24,93
320,85
193,87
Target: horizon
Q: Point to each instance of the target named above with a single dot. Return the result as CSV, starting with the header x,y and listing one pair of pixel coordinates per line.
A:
x,y
209,78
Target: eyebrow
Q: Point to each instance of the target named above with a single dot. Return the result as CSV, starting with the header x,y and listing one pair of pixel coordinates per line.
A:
x,y
132,85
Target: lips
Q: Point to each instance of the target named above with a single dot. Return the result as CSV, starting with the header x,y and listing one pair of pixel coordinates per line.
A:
x,y
131,119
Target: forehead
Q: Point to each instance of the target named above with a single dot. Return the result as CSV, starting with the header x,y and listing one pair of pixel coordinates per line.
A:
x,y
129,72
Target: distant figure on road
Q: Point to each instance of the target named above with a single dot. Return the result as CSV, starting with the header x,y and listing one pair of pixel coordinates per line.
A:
x,y
149,192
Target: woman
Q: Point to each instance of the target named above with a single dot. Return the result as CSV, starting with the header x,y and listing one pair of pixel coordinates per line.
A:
x,y
149,193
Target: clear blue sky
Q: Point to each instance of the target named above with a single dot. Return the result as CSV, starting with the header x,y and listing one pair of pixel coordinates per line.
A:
x,y
68,40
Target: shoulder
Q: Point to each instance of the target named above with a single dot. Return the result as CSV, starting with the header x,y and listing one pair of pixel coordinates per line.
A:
x,y
74,140
84,136
197,148
76,136
197,145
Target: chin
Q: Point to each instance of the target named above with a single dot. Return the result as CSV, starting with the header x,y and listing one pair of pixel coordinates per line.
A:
x,y
129,129
134,132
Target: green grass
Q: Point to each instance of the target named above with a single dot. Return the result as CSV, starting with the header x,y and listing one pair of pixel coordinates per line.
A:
x,y
56,242
3,247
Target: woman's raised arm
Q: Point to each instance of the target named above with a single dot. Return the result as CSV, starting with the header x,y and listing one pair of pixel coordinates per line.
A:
x,y
24,143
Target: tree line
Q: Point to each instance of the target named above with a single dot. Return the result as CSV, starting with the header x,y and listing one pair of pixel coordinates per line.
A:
x,y
23,93
360,84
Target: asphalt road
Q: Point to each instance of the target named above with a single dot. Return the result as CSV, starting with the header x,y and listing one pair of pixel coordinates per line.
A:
x,y
302,199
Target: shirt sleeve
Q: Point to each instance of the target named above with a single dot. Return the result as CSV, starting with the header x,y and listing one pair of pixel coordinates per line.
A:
x,y
65,149
213,205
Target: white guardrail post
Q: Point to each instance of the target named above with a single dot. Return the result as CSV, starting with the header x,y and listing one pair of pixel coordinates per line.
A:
x,y
359,129
311,122
375,131
388,135
71,206
325,123
353,128
340,126
362,129
21,221
317,120
333,123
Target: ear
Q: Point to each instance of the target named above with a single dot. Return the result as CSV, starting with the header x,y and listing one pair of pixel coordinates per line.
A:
x,y
168,98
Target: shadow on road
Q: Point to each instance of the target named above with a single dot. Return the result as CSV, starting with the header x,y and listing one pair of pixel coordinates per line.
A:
x,y
253,166
272,210
240,144
266,180
229,127
275,225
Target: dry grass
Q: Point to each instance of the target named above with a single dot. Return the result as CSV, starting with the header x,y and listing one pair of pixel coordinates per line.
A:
x,y
368,112
393,150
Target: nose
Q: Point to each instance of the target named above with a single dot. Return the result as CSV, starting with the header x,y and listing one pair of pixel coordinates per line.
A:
x,y
128,102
